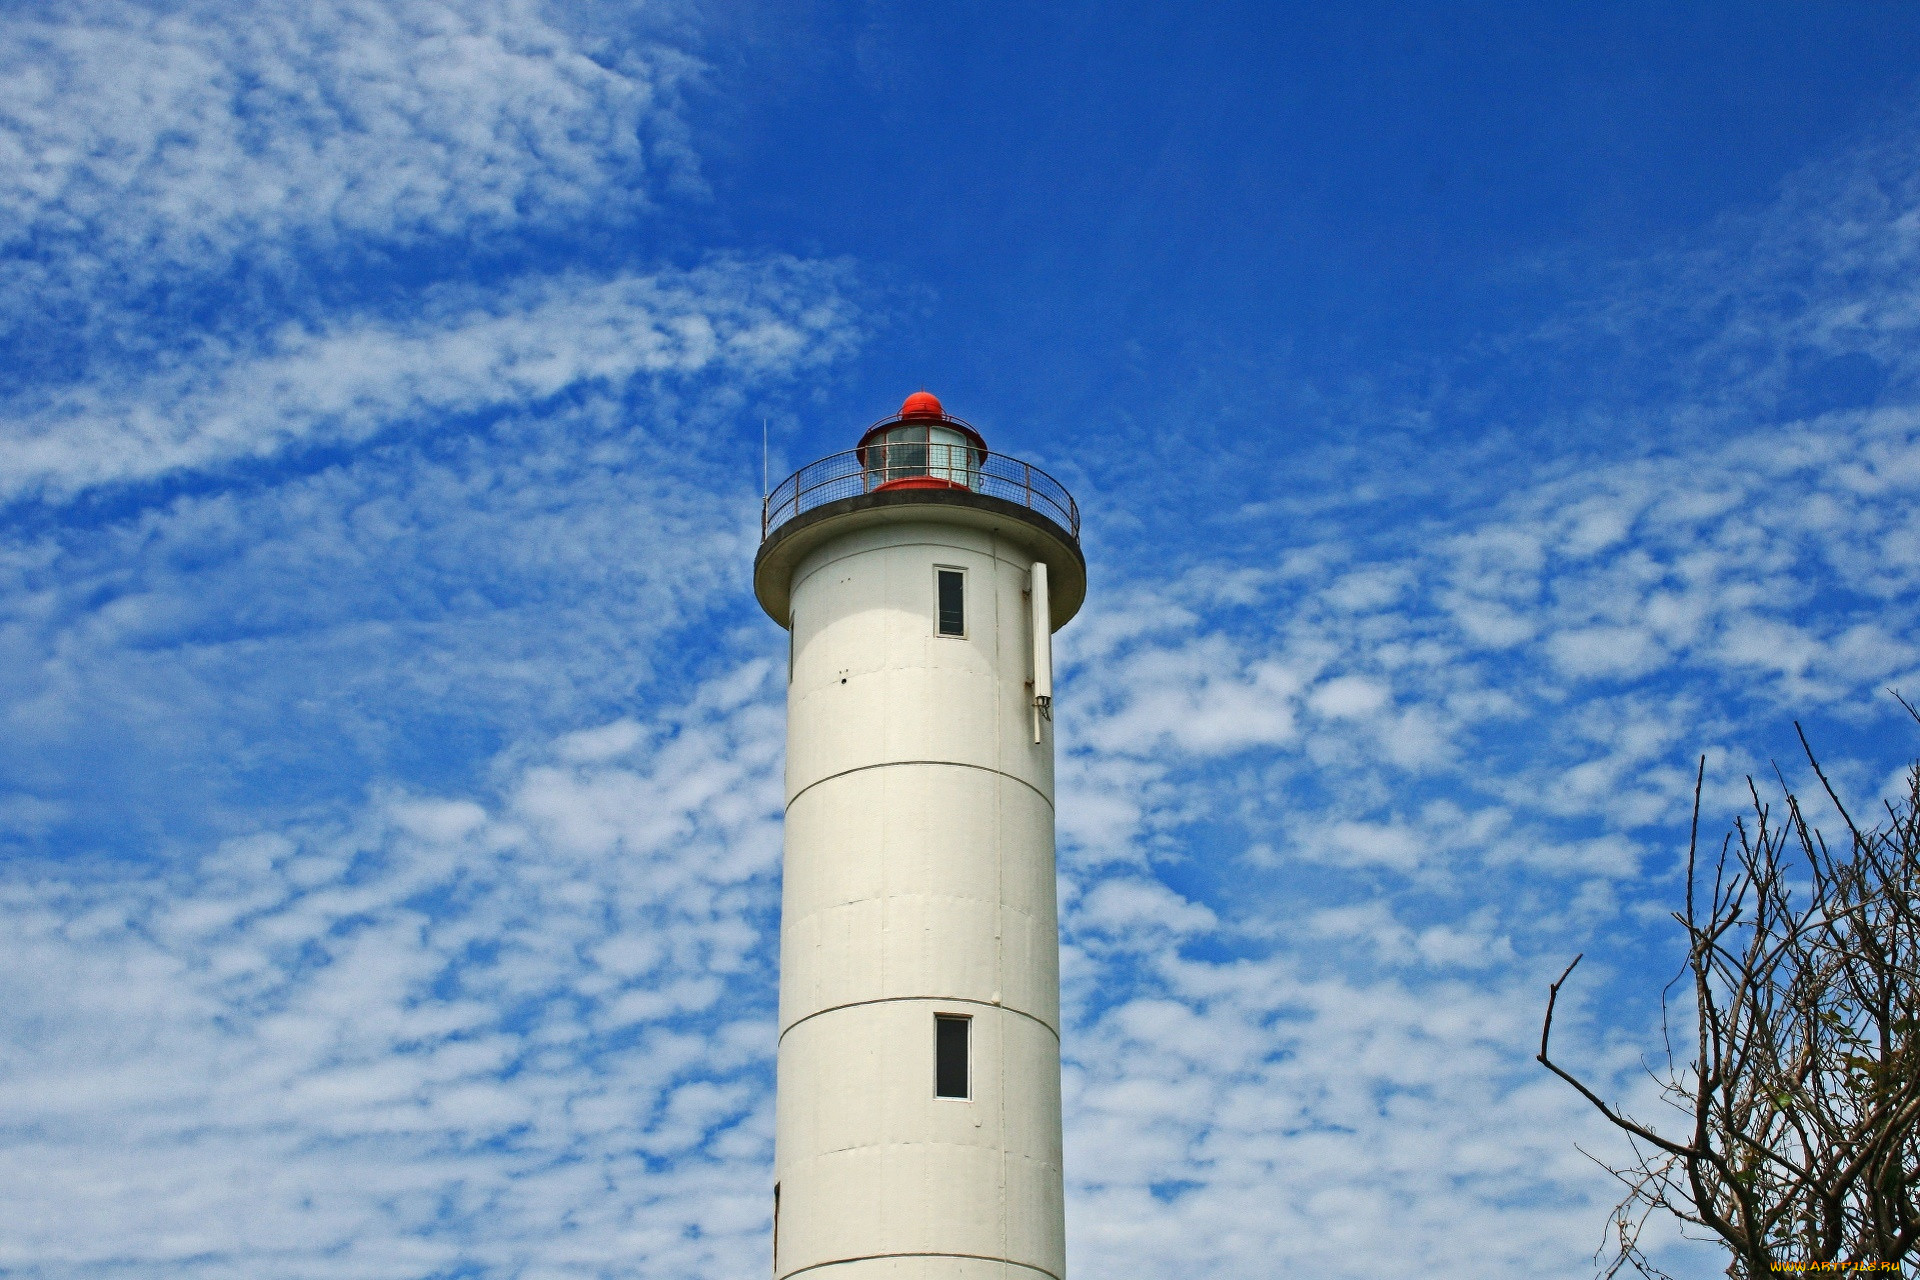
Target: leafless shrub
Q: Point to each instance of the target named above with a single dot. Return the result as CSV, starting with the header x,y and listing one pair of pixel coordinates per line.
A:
x,y
1802,1090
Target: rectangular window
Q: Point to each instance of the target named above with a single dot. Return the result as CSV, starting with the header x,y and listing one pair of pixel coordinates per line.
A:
x,y
953,602
950,1055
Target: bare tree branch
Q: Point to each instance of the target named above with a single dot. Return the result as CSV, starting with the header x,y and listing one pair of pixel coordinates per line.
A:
x,y
1803,1087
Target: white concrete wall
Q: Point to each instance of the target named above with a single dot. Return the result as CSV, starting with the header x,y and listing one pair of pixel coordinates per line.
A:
x,y
918,878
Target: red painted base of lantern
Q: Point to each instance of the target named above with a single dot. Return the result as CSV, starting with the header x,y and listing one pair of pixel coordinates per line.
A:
x,y
918,482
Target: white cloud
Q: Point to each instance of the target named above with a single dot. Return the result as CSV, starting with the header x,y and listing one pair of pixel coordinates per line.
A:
x,y
149,139
1366,843
1203,697
1365,1055
441,1034
357,378
1230,1115
1136,907
1613,652
1348,697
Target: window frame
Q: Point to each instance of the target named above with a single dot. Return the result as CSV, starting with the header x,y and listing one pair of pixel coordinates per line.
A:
x,y
939,629
966,1056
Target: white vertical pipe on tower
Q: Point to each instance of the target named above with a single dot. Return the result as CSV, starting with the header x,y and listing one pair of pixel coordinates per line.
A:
x,y
918,914
1040,624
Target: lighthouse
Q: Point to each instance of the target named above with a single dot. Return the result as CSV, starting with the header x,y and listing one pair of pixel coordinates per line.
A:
x,y
920,578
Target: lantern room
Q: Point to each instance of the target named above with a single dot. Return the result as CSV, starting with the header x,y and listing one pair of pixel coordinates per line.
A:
x,y
921,448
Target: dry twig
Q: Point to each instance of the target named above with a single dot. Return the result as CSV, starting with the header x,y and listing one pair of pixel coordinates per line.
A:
x,y
1803,1087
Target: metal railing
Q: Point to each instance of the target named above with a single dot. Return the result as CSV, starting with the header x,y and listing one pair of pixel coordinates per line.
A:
x,y
858,471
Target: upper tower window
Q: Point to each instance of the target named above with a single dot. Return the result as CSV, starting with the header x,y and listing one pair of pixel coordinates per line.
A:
x,y
952,601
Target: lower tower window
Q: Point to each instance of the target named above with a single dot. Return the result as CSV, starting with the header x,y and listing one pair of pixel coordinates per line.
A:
x,y
950,1035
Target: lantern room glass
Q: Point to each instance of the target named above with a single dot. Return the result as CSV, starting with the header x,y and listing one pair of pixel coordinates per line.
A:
x,y
920,451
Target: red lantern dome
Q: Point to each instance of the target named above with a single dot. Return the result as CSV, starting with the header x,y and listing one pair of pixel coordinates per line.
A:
x,y
921,404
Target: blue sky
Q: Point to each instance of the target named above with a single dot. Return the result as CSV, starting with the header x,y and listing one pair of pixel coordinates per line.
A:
x,y
1478,414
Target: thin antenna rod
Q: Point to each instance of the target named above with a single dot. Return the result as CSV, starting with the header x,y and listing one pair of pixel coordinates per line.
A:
x,y
764,477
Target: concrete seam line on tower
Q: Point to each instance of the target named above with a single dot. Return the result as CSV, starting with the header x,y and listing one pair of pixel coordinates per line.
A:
x,y
974,1257
1019,558
858,1004
944,764
780,554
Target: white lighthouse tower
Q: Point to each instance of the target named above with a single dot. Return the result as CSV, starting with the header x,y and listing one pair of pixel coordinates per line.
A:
x,y
918,1135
